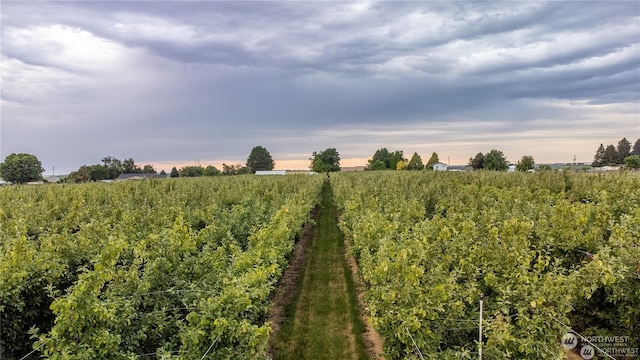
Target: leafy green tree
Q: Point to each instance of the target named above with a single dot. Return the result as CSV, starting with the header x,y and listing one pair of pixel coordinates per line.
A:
x,y
402,165
99,172
237,169
598,158
174,172
526,163
624,150
191,171
636,148
211,171
148,169
377,165
129,166
632,162
395,157
477,162
21,168
495,160
415,163
259,160
381,155
114,165
434,159
610,155
325,161
163,173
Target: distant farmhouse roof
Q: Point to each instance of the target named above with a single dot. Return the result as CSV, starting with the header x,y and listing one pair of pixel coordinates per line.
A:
x,y
439,166
52,178
271,172
139,176
284,172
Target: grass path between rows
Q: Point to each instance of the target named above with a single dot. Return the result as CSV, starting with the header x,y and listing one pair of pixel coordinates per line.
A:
x,y
322,320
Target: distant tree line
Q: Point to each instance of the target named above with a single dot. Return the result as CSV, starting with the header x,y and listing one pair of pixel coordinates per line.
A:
x,y
21,168
623,153
383,159
110,169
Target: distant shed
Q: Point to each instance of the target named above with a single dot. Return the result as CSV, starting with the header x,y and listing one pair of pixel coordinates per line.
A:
x,y
138,176
271,172
440,166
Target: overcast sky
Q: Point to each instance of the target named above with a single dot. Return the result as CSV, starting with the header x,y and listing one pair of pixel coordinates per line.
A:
x,y
173,83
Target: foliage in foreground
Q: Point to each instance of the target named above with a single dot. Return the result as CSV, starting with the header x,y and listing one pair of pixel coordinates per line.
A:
x,y
545,249
160,268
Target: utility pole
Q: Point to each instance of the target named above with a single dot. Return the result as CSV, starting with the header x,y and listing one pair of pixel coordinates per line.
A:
x,y
54,170
480,330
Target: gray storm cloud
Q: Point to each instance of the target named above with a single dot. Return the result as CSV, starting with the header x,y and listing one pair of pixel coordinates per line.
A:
x,y
178,81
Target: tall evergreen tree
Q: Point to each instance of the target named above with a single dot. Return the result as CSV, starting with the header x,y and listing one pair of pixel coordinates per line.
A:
x,y
610,155
598,159
624,148
174,173
434,159
477,162
636,148
415,163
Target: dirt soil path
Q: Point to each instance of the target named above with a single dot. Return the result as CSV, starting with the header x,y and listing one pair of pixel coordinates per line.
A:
x,y
316,312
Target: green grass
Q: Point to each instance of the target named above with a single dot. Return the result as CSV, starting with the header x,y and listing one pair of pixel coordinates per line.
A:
x,y
323,320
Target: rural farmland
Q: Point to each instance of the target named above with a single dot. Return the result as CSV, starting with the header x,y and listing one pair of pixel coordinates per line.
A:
x,y
188,268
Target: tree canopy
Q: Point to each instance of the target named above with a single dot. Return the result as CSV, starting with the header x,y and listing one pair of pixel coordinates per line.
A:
x,y
380,160
598,158
415,163
495,160
384,160
21,168
477,162
434,159
110,169
259,160
615,155
636,148
396,157
623,149
632,162
237,169
611,155
325,161
526,163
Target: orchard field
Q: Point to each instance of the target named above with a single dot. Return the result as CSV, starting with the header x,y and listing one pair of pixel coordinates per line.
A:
x,y
186,268
152,269
550,251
